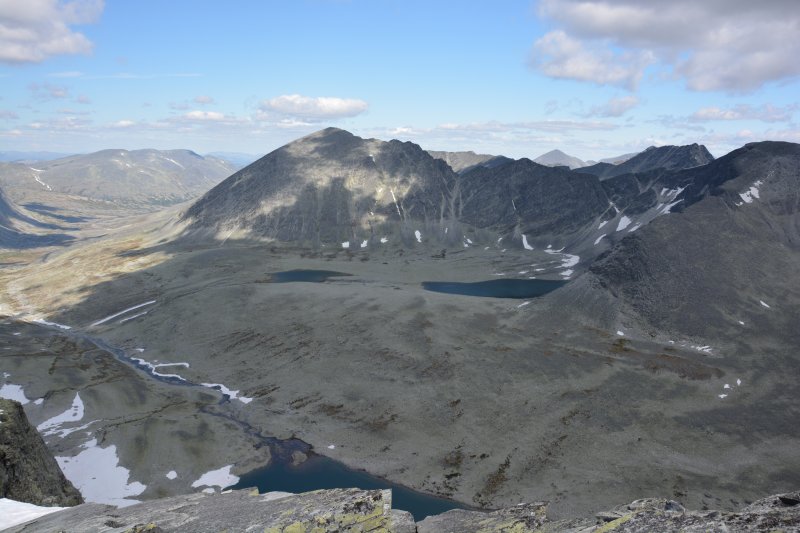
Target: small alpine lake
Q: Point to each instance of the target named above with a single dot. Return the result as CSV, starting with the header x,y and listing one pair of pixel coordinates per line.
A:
x,y
308,276
497,288
320,472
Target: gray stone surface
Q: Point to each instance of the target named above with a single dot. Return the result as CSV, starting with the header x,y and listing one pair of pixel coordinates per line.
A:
x,y
353,510
28,471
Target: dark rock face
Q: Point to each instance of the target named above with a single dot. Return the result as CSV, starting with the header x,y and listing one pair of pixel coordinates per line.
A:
x,y
735,243
666,157
530,197
28,471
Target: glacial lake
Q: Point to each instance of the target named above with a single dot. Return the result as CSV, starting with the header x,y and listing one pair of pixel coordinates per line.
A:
x,y
497,288
319,472
310,276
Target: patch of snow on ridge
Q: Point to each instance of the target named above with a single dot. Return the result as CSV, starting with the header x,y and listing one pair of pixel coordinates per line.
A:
x,y
418,235
384,240
624,222
752,192
525,243
346,244
151,368
364,243
603,223
74,413
171,474
600,238
221,478
764,304
95,471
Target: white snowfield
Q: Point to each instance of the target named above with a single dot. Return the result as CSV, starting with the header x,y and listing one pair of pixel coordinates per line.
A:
x,y
418,235
525,243
221,478
346,244
74,413
9,391
53,324
128,310
95,471
154,368
751,193
624,222
14,513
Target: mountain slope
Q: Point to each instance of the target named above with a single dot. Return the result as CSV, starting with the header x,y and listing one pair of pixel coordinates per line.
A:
x,y
138,176
333,187
707,268
666,157
462,161
557,158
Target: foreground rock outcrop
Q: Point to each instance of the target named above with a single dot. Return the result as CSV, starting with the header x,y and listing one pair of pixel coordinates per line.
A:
x,y
28,471
340,510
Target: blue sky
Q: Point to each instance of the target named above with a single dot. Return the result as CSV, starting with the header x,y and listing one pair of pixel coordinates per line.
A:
x,y
595,79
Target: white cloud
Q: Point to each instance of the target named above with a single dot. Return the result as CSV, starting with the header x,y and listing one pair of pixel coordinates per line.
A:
x,y
203,100
560,56
8,115
48,91
726,45
123,124
314,108
212,116
34,30
615,107
764,113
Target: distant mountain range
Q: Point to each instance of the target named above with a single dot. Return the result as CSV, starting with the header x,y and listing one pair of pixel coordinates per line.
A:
x,y
29,157
557,158
152,177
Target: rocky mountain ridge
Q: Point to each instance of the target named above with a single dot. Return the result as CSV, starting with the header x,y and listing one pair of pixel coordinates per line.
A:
x,y
354,510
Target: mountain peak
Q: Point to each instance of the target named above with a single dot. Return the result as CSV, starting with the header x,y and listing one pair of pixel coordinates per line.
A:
x,y
557,158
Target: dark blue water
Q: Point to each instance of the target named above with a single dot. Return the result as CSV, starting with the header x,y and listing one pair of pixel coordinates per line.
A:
x,y
320,472
312,276
497,288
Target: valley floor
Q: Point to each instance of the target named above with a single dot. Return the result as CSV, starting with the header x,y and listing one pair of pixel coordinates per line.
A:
x,y
483,400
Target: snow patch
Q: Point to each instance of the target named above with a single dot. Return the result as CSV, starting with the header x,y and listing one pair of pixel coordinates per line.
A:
x,y
52,324
221,478
620,333
153,369
13,513
600,238
624,222
603,223
95,471
137,315
523,304
346,244
74,413
418,235
9,391
172,474
525,243
232,394
331,446
751,193
364,243
764,304
115,315
384,240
